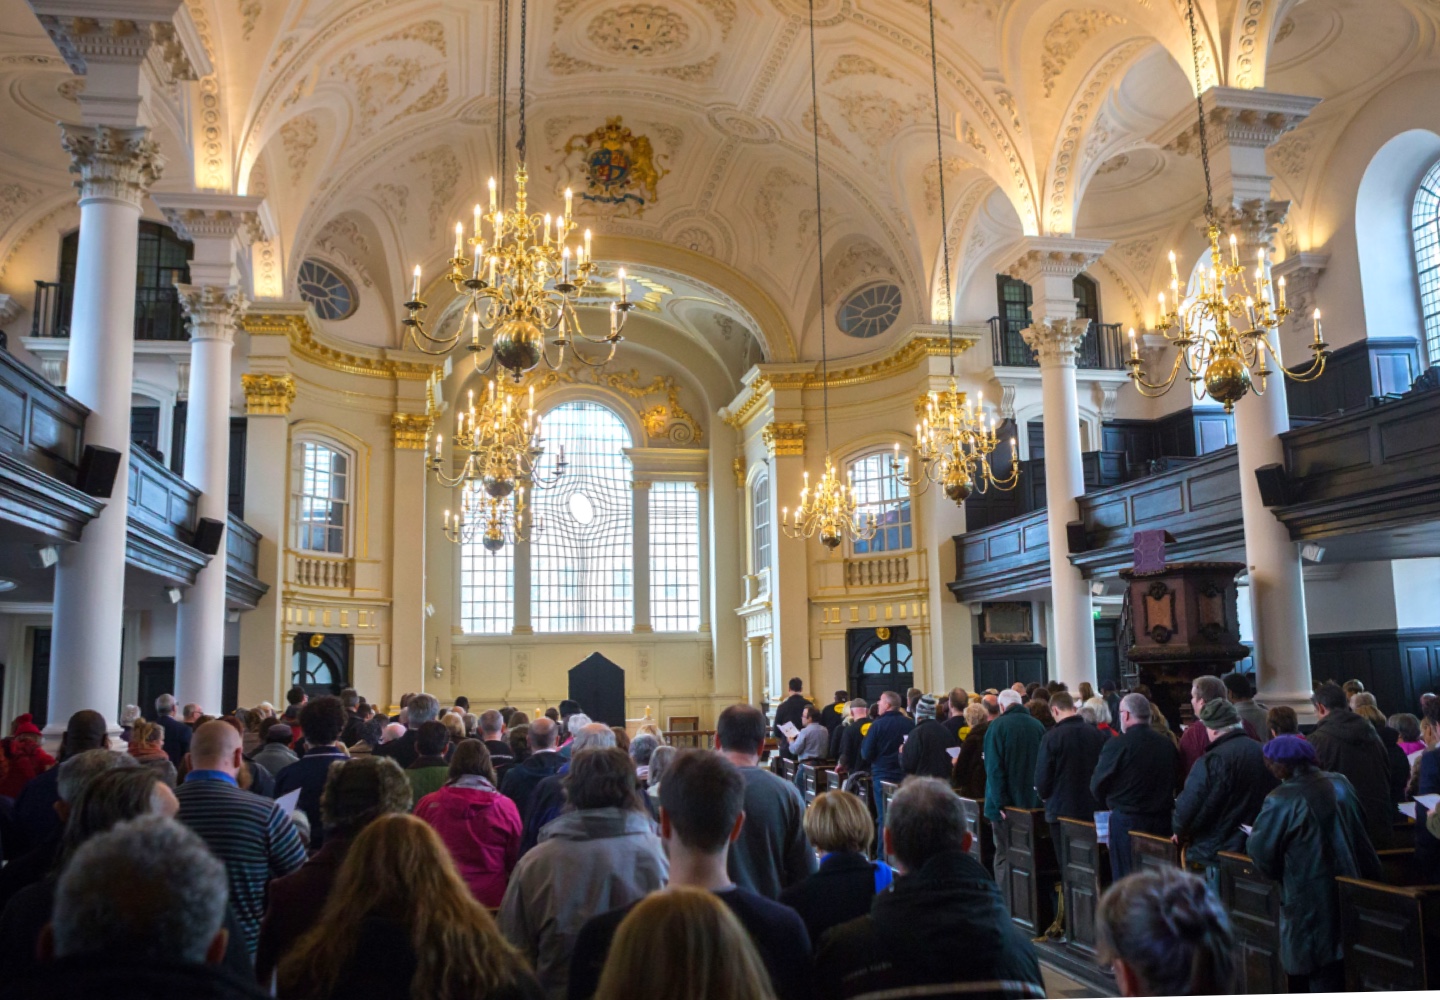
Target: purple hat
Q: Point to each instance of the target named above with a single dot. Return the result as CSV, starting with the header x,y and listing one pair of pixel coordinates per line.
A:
x,y
1290,750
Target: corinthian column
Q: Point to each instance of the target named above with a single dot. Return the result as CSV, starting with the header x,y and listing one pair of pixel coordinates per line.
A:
x,y
116,167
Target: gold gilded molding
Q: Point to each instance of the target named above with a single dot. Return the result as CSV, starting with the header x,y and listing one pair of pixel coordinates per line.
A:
x,y
668,420
296,328
741,415
739,466
268,395
411,430
784,438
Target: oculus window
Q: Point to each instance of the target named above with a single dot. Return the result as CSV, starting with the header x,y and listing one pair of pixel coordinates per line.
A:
x,y
870,311
325,288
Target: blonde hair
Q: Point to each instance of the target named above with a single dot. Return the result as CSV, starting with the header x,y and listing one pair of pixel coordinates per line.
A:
x,y
839,821
454,725
683,942
398,869
143,733
975,714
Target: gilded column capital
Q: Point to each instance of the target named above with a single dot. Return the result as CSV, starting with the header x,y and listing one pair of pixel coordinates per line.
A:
x,y
211,311
784,438
411,431
268,395
739,466
1056,342
119,163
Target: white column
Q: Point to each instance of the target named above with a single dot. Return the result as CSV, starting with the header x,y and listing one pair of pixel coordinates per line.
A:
x,y
640,543
117,166
789,649
264,665
409,659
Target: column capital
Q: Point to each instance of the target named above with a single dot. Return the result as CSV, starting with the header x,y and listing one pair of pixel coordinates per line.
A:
x,y
738,466
1254,221
268,395
202,215
211,311
1245,119
1055,342
119,163
784,438
411,431
1055,256
1301,272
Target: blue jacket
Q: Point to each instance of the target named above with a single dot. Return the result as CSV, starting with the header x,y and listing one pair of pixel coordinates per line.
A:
x,y
308,774
881,746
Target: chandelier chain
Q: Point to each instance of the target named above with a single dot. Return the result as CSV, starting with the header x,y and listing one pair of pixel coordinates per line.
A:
x,y
524,18
503,44
819,232
944,214
1200,113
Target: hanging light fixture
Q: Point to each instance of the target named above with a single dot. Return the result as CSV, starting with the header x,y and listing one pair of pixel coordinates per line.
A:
x,y
1220,358
953,444
831,510
517,273
495,521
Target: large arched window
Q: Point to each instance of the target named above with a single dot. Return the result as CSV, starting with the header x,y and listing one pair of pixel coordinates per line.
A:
x,y
321,498
760,523
883,499
487,587
674,557
1426,223
582,552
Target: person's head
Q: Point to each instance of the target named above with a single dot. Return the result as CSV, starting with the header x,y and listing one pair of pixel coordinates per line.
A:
x,y
350,699
740,730
622,738
1041,694
78,772
323,720
462,703
295,697
1372,715
1163,933
216,747
1008,698
519,740
191,713
392,732
1329,698
471,757
112,797
1282,721
567,708
1287,756
1134,711
1406,725
165,705
276,731
84,731
975,714
1362,699
423,708
431,739
398,867
859,708
553,714
1062,705
912,698
517,718
454,726
959,698
1427,700
925,708
841,696
1352,688
689,940
796,685
889,702
642,748
1238,686
359,791
1206,687
1084,692
265,710
472,724
1219,716
702,802
575,723
129,715
147,734
991,704
660,760
592,736
491,725
602,779
839,823
924,819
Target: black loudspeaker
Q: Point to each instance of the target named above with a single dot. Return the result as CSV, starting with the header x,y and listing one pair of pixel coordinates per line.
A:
x,y
98,468
208,534
1075,537
1274,485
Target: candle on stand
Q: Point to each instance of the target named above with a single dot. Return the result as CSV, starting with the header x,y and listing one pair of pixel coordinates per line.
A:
x,y
587,247
492,270
459,240
569,202
624,288
1174,270
1318,339
477,220
415,287
1134,347
561,224
565,265
479,256
1282,293
1234,250
613,327
492,194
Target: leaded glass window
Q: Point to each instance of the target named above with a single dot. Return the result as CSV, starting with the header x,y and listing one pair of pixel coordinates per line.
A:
x,y
322,499
760,523
325,288
581,555
1426,220
884,500
870,311
487,586
674,557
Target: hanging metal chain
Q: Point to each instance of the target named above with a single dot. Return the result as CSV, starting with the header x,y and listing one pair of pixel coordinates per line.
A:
x,y
944,213
503,47
520,142
819,232
1200,114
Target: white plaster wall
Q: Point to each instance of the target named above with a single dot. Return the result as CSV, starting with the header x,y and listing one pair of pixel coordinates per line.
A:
x,y
1361,599
1417,592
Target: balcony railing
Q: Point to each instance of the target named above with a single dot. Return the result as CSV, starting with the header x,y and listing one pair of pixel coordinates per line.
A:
x,y
158,315
1103,348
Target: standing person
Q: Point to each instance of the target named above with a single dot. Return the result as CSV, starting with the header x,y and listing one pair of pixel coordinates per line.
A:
x,y
422,708
1347,744
274,754
600,855
25,758
480,827
968,778
1193,741
147,745
547,801
1310,831
771,853
491,730
1109,691
813,739
523,777
834,713
1225,790
840,827
36,820
1164,934
177,733
350,700
428,770
1012,749
959,701
881,747
323,720
1135,780
790,711
1240,690
1065,765
845,740
926,751
906,945
251,834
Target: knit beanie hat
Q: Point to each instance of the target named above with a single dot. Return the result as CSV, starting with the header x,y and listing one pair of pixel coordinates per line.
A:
x,y
25,726
1218,713
925,708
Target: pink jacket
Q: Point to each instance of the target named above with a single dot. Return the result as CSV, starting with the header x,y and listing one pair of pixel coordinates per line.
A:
x,y
482,831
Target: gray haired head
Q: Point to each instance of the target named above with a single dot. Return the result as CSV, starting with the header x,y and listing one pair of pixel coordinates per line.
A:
x,y
642,748
491,724
148,889
592,736
423,708
1138,706
165,704
659,760
129,715
77,772
924,819
577,722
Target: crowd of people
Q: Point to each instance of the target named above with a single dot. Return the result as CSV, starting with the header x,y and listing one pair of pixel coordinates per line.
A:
x,y
331,851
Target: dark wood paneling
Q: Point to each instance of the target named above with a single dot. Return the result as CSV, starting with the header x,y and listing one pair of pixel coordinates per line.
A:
x,y
1151,852
1254,905
1001,664
39,424
1032,869
1391,935
1085,877
982,836
1396,665
1355,374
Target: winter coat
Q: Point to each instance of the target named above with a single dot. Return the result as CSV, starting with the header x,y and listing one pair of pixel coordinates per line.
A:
x,y
1397,759
881,746
426,775
294,905
587,862
274,757
925,753
1347,744
521,779
1225,789
157,760
1136,773
481,829
308,774
845,746
26,759
1196,738
906,946
1068,755
842,890
1256,715
968,778
177,738
1310,831
1012,748
1427,846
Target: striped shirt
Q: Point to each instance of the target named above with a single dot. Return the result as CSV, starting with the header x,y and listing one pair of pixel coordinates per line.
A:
x,y
248,832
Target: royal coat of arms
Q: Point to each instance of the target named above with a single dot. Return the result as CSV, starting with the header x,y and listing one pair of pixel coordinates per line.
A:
x,y
618,166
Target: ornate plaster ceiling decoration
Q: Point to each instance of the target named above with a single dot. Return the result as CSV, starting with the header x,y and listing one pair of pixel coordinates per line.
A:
x,y
640,29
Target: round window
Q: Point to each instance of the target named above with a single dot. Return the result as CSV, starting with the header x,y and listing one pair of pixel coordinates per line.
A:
x,y
325,288
582,509
870,311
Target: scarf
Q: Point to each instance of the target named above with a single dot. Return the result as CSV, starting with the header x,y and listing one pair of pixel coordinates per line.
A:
x,y
144,752
476,781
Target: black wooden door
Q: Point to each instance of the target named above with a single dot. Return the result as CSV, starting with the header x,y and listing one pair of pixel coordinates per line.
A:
x,y
880,660
320,663
145,428
156,677
1107,651
40,676
598,685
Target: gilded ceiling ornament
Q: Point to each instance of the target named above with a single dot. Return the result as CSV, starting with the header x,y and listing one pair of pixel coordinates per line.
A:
x,y
619,167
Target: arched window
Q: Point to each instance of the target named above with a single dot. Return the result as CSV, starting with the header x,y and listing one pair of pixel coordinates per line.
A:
x,y
674,557
1426,223
884,500
321,500
582,553
760,523
487,586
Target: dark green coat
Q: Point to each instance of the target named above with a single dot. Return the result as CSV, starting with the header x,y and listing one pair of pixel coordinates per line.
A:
x,y
1012,747
1310,831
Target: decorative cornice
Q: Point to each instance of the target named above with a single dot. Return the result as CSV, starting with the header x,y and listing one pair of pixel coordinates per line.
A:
x,y
911,354
738,416
1056,342
411,431
1302,272
668,421
1254,222
121,163
784,438
1057,256
211,216
109,39
211,310
268,395
1245,119
296,328
739,466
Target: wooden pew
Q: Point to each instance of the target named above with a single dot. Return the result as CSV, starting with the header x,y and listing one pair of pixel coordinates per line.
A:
x,y
1031,871
811,775
1150,852
1085,876
787,769
1254,905
982,835
1391,929
887,792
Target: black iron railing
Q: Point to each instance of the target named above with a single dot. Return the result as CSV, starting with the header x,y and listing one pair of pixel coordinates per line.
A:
x,y
1102,349
158,315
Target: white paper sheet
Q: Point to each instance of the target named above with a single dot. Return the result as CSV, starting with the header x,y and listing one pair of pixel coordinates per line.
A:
x,y
1428,801
788,728
1408,809
289,801
954,752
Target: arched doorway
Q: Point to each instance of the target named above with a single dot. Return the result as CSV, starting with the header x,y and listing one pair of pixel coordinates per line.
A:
x,y
879,660
320,664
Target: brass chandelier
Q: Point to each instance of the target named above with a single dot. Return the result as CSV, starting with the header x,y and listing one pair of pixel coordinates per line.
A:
x,y
495,521
831,510
1220,358
516,272
953,444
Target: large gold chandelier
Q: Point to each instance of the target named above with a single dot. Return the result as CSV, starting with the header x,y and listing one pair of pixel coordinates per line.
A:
x,y
1221,358
831,511
495,521
517,273
953,444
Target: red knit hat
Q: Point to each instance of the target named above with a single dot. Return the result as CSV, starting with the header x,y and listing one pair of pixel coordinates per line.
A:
x,y
25,726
